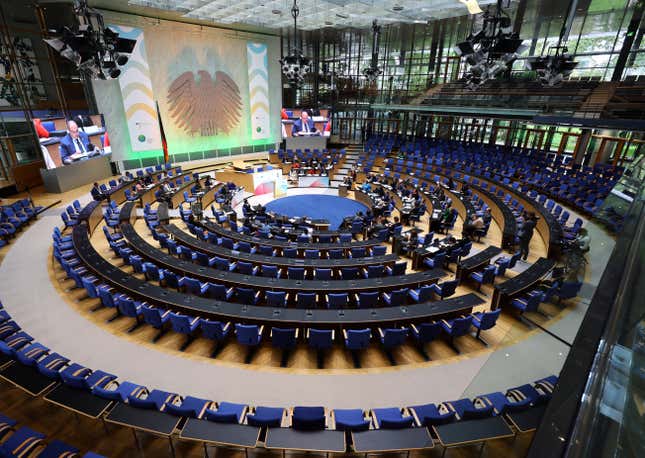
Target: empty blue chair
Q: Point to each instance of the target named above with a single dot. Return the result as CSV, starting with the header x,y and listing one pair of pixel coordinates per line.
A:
x,y
391,418
379,250
130,308
350,420
116,391
467,410
484,321
266,250
527,303
227,412
312,254
445,289
423,294
335,254
503,404
245,247
305,300
483,277
30,354
57,449
217,291
270,271
295,273
568,290
51,365
216,331
430,415
189,406
247,296
457,328
436,261
355,340
21,443
153,400
357,252
186,325
276,298
194,286
249,335
265,416
397,269
349,273
284,339
397,297
424,333
320,340
247,268
290,252
337,300
367,299
308,418
376,271
322,274
392,338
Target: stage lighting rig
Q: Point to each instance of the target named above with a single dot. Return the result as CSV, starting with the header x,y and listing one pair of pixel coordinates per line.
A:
x,y
491,51
372,72
552,69
96,50
295,66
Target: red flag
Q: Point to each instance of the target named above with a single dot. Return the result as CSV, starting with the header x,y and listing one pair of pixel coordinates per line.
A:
x,y
164,145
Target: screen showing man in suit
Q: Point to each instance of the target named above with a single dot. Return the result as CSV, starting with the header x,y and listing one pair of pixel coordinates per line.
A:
x,y
304,126
75,145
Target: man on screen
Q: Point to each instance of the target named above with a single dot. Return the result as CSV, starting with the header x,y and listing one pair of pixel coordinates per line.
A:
x,y
75,144
304,126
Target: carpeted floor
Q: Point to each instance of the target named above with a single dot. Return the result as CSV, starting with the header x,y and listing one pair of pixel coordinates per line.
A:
x,y
317,206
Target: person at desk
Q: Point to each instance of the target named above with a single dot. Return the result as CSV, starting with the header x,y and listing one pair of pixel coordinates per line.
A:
x,y
97,194
304,126
75,144
208,183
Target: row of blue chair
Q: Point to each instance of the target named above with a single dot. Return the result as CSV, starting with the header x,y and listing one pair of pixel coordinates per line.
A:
x,y
15,216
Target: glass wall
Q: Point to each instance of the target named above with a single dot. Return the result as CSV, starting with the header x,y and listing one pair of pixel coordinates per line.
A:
x,y
413,57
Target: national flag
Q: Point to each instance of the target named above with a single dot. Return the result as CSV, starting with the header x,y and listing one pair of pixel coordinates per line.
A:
x,y
164,145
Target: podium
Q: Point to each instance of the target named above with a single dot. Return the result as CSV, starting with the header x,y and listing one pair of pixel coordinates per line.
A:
x,y
311,142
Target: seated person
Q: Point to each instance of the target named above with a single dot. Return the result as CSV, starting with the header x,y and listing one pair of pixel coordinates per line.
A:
x,y
97,194
476,223
75,144
208,183
304,126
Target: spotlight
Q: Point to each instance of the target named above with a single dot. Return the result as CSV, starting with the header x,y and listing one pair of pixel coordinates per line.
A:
x,y
121,59
552,69
115,72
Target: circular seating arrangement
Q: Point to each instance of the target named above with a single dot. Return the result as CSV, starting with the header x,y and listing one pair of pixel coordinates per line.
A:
x,y
217,278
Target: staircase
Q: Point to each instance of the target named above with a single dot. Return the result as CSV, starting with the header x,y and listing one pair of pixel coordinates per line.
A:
x,y
595,103
351,157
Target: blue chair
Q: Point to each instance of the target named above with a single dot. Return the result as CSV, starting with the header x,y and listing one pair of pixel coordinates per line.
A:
x,y
445,289
312,254
465,409
218,292
396,298
335,254
245,247
308,418
424,333
157,318
295,273
437,261
484,321
527,303
356,340
397,269
430,415
21,443
247,296
131,309
29,354
568,290
379,250
322,274
189,199
265,416
290,252
216,331
194,286
270,271
376,271
186,325
392,338
349,273
391,418
305,300
227,412
357,252
367,299
337,300
350,420
189,407
423,294
483,277
320,340
153,400
249,335
284,339
457,328
276,298
51,365
503,404
246,268
511,261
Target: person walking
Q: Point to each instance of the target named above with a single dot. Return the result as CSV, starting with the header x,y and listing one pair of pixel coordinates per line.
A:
x,y
525,236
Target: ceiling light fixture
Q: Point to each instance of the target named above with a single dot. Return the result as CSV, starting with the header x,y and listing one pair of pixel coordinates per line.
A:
x,y
492,50
372,72
552,69
295,66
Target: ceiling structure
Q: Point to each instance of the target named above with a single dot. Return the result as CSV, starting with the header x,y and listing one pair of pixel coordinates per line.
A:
x,y
314,14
